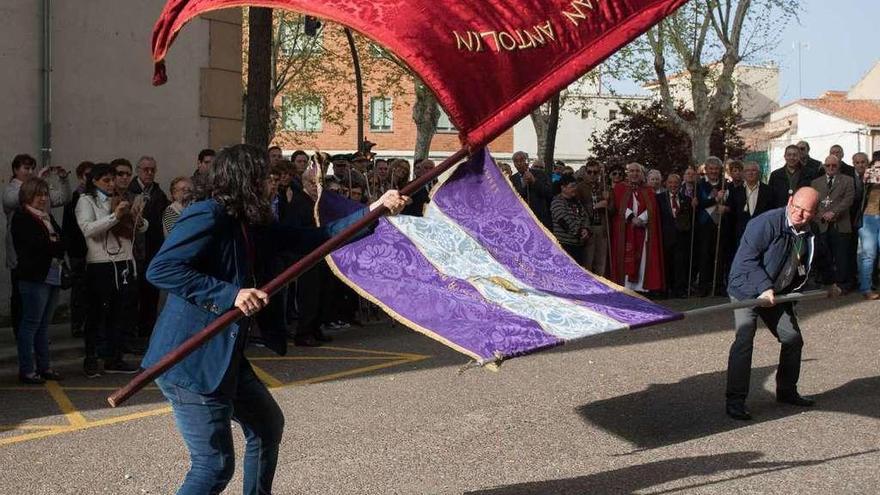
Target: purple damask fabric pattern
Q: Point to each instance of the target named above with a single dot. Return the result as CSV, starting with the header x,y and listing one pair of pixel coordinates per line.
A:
x,y
481,201
392,269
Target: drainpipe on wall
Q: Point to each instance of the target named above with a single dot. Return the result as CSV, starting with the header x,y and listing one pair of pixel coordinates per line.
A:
x,y
46,96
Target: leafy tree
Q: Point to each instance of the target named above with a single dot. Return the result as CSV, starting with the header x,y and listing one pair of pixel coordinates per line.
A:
x,y
646,135
707,39
317,71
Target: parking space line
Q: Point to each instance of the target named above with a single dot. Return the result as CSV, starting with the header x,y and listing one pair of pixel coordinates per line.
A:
x,y
78,422
266,378
74,417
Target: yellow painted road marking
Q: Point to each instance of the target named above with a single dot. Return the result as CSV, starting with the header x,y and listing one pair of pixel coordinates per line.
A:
x,y
266,378
74,417
78,422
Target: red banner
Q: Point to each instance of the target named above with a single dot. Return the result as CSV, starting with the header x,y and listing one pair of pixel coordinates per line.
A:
x,y
488,62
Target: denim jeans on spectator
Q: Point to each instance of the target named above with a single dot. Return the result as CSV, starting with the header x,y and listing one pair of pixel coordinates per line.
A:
x,y
204,423
38,304
868,238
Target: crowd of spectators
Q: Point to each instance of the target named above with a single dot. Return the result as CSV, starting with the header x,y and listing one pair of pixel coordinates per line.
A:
x,y
671,236
676,235
114,221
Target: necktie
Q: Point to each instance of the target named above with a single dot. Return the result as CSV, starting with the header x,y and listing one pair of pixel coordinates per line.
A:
x,y
830,181
674,205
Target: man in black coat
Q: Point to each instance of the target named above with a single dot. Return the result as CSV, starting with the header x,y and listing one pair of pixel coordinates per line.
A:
x,y
676,215
809,164
784,181
534,185
155,202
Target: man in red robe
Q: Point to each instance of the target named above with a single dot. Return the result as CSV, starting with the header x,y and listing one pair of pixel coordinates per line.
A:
x,y
636,241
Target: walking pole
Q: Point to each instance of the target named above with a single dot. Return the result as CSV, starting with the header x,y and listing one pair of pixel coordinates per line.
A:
x,y
274,285
718,234
607,198
693,230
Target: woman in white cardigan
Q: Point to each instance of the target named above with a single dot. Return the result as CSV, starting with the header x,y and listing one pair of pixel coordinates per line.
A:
x,y
108,224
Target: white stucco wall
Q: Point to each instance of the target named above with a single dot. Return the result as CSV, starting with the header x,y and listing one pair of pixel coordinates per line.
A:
x,y
103,103
574,134
822,131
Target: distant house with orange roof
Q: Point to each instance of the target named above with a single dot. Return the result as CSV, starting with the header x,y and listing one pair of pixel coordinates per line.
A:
x,y
848,118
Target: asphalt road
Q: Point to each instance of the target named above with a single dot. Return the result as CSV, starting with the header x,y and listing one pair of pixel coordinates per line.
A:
x,y
385,412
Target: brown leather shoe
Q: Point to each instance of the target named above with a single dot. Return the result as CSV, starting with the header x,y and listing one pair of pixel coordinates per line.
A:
x,y
871,296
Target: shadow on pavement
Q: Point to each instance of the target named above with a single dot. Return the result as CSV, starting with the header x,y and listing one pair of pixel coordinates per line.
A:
x,y
666,414
632,479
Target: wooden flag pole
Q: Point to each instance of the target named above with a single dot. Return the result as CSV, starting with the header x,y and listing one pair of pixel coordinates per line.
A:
x,y
287,276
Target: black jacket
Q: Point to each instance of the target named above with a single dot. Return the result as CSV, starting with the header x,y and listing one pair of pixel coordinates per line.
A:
x,y
34,248
537,195
74,242
670,226
738,204
156,202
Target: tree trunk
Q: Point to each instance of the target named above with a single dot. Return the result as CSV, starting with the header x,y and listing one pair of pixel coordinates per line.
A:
x,y
550,140
426,114
258,102
539,121
359,82
700,137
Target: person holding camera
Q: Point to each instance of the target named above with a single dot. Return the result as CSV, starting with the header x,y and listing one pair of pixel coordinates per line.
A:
x,y
869,232
108,222
23,167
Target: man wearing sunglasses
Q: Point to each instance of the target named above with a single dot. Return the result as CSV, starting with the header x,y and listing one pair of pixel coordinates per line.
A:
x,y
774,258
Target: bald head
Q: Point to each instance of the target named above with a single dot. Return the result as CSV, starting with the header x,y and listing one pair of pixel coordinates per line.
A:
x,y
802,206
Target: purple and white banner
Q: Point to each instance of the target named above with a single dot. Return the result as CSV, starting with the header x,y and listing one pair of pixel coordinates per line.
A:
x,y
479,273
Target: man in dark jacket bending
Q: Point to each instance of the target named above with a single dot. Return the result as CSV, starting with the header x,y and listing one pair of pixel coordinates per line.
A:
x,y
774,257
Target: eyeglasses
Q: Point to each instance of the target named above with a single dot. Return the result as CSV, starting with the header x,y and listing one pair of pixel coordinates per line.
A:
x,y
802,209
122,173
151,170
615,172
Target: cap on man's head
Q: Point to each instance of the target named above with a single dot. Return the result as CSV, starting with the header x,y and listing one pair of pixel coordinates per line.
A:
x,y
341,157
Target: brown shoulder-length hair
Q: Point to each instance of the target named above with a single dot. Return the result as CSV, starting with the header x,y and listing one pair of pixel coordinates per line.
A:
x,y
237,181
31,188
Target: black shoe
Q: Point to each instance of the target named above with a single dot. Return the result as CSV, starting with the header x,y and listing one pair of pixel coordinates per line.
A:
x,y
795,399
321,337
32,379
738,411
306,342
51,374
118,366
92,368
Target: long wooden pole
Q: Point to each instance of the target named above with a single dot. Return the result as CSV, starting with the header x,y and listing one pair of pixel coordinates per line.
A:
x,y
693,230
287,276
719,205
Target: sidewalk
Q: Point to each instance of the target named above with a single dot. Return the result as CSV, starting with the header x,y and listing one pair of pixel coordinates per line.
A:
x,y
62,347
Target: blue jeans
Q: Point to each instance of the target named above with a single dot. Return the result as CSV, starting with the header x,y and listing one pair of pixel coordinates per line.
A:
x,y
868,241
204,422
38,302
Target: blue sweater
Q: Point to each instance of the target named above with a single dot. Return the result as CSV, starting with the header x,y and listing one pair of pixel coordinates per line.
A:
x,y
763,251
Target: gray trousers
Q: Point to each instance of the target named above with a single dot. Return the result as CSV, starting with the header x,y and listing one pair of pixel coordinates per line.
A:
x,y
782,322
595,250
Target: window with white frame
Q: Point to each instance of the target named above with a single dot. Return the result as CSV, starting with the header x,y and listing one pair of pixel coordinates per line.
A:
x,y
301,116
612,115
381,114
294,41
444,124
